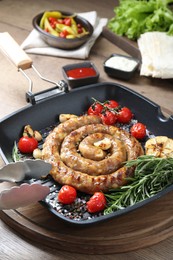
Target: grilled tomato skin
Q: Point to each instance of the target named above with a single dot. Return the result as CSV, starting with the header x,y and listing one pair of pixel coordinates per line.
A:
x,y
111,104
67,194
138,130
27,144
95,109
108,117
96,203
124,115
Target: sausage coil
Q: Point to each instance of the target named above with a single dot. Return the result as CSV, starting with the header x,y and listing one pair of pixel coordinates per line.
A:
x,y
73,148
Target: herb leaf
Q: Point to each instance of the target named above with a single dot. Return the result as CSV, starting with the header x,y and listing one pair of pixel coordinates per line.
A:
x,y
15,154
152,175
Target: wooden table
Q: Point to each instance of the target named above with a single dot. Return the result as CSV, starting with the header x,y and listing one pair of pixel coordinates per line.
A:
x,y
15,17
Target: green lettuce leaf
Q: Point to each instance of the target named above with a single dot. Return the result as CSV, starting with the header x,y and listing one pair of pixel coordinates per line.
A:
x,y
134,17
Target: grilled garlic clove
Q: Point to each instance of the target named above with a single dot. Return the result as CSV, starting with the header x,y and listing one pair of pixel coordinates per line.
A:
x,y
37,153
104,144
159,146
28,131
37,136
65,117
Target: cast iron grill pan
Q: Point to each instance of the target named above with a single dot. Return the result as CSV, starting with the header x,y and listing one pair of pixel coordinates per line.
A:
x,y
44,117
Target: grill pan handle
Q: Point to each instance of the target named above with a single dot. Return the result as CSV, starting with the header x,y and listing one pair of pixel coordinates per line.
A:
x,y
22,61
13,51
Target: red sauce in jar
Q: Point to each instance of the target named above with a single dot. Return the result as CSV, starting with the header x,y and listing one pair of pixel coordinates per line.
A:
x,y
81,73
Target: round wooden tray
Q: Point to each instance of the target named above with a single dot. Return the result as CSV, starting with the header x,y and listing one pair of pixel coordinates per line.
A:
x,y
143,227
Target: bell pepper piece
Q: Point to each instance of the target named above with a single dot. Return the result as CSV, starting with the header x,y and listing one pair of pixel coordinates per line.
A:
x,y
70,36
74,26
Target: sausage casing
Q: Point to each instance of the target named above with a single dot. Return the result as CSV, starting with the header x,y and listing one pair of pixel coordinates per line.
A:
x,y
85,173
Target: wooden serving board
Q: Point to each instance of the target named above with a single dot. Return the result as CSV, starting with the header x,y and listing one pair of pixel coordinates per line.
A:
x,y
143,227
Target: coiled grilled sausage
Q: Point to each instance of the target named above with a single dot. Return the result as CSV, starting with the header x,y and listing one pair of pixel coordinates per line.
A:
x,y
69,166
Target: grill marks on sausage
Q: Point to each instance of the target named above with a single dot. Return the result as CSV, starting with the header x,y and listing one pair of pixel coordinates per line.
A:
x,y
74,160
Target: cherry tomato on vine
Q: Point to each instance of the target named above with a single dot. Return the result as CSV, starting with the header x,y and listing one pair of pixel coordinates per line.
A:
x,y
138,130
95,109
108,117
96,203
67,194
124,115
111,104
27,144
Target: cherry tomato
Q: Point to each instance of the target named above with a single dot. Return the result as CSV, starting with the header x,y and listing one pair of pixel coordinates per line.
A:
x,y
27,144
111,104
67,194
124,115
96,203
95,109
108,117
138,130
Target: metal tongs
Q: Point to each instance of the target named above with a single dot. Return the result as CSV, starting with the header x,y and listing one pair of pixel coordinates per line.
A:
x,y
24,194
23,62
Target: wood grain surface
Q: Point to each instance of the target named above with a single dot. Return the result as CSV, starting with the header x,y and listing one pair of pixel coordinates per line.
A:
x,y
141,228
33,232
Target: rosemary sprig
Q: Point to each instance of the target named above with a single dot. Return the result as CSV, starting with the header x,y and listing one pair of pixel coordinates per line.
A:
x,y
151,176
15,154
